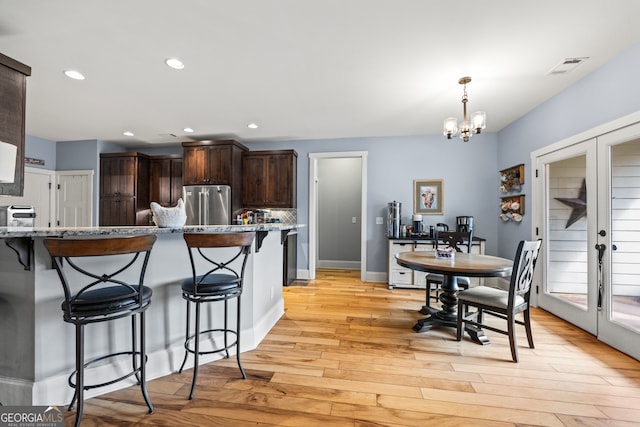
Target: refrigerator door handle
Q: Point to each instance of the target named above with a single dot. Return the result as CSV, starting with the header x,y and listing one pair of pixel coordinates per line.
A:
x,y
205,207
200,196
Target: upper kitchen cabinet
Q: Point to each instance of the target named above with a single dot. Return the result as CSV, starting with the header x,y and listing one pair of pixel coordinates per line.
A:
x,y
212,162
165,181
269,179
13,96
216,163
124,189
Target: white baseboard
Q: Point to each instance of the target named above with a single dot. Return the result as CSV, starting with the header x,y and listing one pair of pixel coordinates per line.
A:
x,y
302,274
376,276
342,265
56,391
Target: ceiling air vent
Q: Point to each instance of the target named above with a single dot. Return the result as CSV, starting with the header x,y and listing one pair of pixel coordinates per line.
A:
x,y
568,64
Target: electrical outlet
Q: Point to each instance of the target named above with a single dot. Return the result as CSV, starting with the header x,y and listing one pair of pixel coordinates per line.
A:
x,y
379,220
353,220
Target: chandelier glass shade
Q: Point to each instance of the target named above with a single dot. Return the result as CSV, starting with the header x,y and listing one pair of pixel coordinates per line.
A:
x,y
466,128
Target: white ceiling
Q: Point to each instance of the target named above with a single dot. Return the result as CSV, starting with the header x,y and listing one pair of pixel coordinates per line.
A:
x,y
300,69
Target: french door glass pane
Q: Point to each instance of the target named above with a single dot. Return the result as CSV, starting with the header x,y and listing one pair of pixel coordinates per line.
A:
x,y
567,231
625,234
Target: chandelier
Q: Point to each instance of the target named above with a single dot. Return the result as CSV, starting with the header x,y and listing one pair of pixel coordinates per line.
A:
x,y
466,128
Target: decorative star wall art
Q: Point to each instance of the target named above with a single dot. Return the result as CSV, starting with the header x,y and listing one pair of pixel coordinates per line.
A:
x,y
579,205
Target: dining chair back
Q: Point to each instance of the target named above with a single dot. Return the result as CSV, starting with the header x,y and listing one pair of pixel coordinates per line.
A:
x,y
454,239
505,304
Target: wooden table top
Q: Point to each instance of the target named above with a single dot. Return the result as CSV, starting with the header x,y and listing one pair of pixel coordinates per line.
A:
x,y
463,264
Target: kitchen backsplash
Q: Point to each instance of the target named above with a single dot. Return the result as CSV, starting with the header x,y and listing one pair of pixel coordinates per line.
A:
x,y
285,215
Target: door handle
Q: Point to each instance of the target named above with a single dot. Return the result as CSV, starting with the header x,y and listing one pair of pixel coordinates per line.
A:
x,y
600,248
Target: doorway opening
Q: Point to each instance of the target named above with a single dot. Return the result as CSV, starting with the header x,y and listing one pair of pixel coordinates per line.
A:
x,y
327,219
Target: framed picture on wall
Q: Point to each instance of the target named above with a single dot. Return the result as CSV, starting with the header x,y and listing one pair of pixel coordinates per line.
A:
x,y
428,196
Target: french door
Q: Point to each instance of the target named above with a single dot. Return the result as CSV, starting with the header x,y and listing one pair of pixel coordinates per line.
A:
x,y
590,204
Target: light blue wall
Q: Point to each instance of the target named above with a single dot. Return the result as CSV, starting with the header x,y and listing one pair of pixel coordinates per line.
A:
x,y
611,92
469,171
77,155
42,149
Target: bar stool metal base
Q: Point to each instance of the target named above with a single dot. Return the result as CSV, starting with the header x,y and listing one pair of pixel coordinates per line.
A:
x,y
195,339
136,371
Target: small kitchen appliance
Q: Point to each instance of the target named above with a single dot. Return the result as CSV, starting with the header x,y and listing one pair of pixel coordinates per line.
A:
x,y
464,224
17,216
417,224
441,226
394,215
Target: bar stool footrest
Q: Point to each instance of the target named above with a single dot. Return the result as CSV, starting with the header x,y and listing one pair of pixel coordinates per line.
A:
x,y
217,350
108,356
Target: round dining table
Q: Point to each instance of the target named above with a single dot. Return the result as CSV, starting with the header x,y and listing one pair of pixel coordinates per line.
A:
x,y
462,264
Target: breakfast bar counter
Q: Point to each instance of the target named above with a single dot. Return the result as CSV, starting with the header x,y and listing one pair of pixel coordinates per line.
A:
x,y
37,351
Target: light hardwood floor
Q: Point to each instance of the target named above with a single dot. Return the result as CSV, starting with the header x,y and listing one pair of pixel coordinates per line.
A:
x,y
344,354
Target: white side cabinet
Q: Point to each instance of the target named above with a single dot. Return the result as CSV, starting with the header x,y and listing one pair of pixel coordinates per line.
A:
x,y
399,276
402,277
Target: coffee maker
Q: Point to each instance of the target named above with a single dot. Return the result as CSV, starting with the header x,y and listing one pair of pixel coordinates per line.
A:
x,y
464,224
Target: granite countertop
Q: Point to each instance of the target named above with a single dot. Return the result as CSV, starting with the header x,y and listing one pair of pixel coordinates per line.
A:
x,y
8,232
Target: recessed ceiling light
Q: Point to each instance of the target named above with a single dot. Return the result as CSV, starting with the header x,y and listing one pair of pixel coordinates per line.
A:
x,y
127,133
174,63
188,130
252,126
73,74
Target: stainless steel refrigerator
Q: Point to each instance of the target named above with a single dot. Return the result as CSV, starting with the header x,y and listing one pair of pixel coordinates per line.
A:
x,y
207,204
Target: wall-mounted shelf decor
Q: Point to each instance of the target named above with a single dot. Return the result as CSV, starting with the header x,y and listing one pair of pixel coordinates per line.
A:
x,y
511,179
512,208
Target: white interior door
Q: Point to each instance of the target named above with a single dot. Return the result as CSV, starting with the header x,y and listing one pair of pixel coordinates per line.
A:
x,y
74,198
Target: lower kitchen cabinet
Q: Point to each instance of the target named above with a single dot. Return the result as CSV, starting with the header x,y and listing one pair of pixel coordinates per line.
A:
x,y
117,210
402,277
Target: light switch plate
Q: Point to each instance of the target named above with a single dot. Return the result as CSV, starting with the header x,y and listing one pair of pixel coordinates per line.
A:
x,y
379,220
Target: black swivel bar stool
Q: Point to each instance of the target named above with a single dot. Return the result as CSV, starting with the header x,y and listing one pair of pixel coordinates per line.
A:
x,y
214,280
104,296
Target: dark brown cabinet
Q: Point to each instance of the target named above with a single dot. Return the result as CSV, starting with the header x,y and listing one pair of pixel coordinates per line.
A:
x,y
124,189
269,179
165,181
118,210
13,85
216,163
